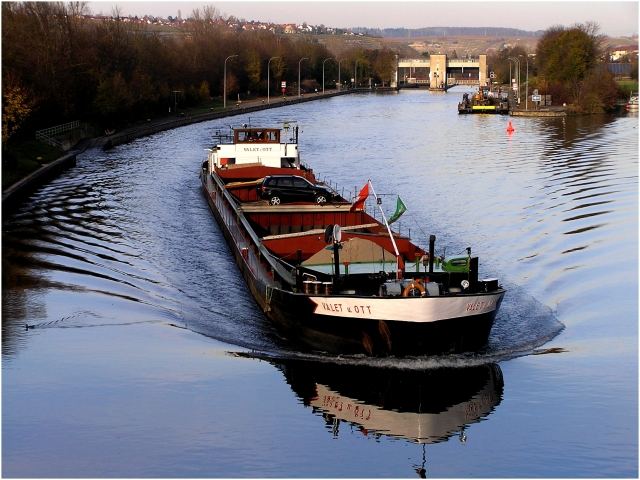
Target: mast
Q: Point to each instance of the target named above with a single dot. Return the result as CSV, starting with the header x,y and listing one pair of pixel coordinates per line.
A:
x,y
395,247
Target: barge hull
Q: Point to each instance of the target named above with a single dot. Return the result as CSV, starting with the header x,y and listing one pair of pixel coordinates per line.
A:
x,y
296,316
282,254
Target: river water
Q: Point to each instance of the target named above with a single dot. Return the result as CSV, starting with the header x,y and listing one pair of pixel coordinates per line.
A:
x,y
131,347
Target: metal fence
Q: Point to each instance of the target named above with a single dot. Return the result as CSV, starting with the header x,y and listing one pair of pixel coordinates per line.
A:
x,y
48,135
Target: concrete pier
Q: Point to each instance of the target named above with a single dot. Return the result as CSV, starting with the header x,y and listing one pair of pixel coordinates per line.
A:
x,y
546,112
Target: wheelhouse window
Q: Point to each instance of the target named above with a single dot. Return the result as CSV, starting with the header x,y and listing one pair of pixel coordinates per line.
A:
x,y
262,135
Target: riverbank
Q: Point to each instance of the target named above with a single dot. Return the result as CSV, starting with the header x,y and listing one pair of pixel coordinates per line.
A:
x,y
12,195
242,108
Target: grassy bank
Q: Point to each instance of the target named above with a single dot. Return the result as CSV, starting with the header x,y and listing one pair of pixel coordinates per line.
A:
x,y
627,87
22,157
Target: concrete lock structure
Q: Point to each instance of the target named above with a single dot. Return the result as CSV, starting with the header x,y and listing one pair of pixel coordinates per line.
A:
x,y
440,73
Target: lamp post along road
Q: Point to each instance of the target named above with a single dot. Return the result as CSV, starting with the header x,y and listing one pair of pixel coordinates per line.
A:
x,y
339,82
299,62
268,79
175,101
517,60
224,91
510,77
355,75
323,62
526,88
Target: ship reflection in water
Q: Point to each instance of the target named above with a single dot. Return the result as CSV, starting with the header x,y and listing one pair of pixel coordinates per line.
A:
x,y
425,406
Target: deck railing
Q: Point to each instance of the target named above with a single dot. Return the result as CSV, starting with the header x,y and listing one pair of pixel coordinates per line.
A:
x,y
462,81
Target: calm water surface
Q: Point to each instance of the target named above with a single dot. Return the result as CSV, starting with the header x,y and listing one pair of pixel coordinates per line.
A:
x,y
146,356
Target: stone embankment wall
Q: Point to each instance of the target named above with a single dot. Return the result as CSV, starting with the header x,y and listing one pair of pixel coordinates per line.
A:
x,y
13,195
151,128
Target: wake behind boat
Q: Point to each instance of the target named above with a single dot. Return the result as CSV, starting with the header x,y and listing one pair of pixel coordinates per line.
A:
x,y
327,273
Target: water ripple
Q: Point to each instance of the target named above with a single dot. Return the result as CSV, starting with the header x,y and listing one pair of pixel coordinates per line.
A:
x,y
127,235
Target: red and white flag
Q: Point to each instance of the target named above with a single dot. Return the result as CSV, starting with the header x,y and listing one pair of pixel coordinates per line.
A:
x,y
362,197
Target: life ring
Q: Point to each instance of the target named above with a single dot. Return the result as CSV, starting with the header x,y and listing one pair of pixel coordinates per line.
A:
x,y
412,287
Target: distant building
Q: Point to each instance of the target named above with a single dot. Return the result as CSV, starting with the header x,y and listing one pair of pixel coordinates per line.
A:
x,y
232,23
419,46
623,51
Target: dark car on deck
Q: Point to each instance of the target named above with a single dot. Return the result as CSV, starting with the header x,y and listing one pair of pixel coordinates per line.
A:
x,y
279,189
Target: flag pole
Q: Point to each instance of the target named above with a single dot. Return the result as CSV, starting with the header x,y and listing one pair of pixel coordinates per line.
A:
x,y
384,217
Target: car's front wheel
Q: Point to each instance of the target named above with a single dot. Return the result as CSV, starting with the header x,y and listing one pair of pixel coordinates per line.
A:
x,y
274,200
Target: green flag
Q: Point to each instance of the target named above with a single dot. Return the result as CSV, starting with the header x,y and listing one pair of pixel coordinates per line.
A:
x,y
400,209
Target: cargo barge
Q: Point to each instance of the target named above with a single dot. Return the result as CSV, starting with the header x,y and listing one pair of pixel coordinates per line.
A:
x,y
330,276
484,101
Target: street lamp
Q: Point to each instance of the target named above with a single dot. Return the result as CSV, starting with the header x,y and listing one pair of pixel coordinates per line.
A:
x,y
510,60
526,88
299,62
518,77
517,60
330,58
339,83
175,101
224,94
355,75
268,71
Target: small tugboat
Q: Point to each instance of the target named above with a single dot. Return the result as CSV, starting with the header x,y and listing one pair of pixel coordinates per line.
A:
x,y
484,101
328,274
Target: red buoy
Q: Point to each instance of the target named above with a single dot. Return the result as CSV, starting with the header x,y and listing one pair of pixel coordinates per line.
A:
x,y
510,128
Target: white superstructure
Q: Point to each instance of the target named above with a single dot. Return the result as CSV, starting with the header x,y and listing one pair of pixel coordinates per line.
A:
x,y
257,146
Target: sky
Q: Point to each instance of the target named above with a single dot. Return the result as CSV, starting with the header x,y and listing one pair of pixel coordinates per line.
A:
x,y
615,18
